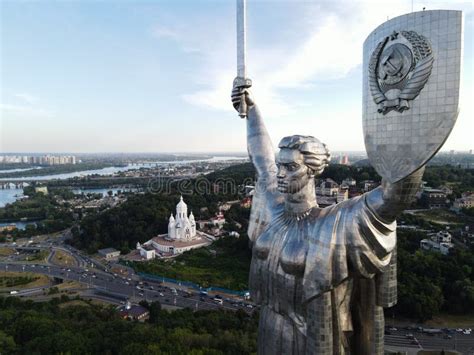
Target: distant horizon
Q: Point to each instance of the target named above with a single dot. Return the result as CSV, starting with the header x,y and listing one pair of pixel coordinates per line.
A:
x,y
203,152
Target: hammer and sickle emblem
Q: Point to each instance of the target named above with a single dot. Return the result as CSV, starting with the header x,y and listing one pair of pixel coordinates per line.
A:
x,y
392,63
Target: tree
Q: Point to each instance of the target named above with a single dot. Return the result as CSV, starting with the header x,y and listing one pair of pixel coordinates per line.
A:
x,y
155,312
7,344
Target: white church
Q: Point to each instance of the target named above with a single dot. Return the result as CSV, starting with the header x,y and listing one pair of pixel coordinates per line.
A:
x,y
182,227
182,236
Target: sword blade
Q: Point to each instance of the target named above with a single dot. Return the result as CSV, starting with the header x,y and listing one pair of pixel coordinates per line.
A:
x,y
241,38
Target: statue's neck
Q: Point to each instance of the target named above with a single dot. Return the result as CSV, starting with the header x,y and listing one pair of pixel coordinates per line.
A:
x,y
302,201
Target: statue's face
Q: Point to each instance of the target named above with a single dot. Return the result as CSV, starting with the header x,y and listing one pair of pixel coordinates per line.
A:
x,y
293,174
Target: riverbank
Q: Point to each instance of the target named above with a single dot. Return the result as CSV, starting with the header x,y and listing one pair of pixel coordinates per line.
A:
x,y
43,172
62,172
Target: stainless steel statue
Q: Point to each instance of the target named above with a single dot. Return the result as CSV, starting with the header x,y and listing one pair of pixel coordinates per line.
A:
x,y
323,275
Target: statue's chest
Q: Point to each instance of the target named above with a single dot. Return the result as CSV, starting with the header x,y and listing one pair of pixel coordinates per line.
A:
x,y
282,248
278,265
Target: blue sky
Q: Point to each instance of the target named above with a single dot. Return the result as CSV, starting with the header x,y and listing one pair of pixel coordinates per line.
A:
x,y
155,76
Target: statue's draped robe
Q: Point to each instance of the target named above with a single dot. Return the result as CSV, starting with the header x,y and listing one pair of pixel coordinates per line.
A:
x,y
319,277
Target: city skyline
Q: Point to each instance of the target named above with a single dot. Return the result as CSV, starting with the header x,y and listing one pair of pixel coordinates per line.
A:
x,y
156,76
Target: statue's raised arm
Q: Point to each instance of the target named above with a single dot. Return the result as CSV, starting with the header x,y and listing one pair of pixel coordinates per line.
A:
x,y
262,156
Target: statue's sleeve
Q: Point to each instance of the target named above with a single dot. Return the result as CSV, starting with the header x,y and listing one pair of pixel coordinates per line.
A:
x,y
372,251
266,203
350,240
266,200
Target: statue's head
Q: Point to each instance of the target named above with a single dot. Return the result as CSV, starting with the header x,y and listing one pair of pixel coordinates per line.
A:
x,y
300,159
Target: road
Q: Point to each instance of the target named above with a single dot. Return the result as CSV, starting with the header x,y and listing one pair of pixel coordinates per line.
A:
x,y
447,340
107,285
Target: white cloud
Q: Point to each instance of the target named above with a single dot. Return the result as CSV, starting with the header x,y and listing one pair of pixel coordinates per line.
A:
x,y
160,31
28,98
329,50
328,47
7,110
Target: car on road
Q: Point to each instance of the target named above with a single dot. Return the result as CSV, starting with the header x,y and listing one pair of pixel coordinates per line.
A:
x,y
161,294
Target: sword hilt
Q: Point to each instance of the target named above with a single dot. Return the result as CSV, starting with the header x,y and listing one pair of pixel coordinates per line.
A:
x,y
242,83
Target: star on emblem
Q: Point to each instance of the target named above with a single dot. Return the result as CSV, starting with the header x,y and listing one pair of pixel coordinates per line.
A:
x,y
394,35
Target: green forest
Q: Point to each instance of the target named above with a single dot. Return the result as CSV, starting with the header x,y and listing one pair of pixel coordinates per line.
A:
x,y
50,217
430,283
62,326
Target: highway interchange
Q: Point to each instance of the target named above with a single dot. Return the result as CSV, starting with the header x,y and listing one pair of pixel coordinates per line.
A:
x,y
116,289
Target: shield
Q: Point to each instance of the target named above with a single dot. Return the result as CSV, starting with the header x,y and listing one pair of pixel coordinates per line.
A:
x,y
410,89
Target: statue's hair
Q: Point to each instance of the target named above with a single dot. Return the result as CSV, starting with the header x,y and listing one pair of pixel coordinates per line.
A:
x,y
315,154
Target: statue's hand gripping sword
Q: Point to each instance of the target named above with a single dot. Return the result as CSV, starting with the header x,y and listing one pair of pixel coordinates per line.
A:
x,y
241,81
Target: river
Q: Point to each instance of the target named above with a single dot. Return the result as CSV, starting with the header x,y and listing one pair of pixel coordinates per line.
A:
x,y
22,169
115,169
19,225
11,195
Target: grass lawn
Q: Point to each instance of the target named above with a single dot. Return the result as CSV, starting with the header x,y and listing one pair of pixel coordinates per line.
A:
x,y
40,256
74,303
452,321
228,268
442,216
6,251
62,258
19,280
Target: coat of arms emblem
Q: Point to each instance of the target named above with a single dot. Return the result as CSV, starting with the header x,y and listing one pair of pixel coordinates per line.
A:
x,y
399,68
